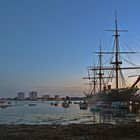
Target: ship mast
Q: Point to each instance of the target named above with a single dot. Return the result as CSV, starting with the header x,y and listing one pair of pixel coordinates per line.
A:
x,y
100,73
94,80
100,68
117,63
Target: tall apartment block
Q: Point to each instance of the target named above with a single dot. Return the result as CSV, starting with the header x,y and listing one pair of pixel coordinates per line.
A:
x,y
20,96
33,95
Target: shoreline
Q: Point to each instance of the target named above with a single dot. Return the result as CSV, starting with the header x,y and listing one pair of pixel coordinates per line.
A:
x,y
130,131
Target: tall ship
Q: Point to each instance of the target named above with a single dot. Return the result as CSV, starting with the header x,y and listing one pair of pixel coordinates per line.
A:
x,y
107,82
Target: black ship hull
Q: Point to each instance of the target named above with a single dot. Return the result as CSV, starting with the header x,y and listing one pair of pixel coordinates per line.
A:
x,y
125,94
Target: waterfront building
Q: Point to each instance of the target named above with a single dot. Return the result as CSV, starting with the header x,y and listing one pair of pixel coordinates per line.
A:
x,y
46,97
33,95
20,96
56,97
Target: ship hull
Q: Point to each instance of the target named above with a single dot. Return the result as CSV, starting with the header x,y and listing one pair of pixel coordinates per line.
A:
x,y
125,94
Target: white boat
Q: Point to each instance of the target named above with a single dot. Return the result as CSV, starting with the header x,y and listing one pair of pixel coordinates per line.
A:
x,y
65,104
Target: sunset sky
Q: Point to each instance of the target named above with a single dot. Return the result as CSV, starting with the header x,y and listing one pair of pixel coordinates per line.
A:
x,y
49,43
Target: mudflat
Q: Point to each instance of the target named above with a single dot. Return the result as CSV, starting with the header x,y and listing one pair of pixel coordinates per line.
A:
x,y
129,131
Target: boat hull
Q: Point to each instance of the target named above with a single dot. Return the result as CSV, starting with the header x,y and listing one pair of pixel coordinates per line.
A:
x,y
125,94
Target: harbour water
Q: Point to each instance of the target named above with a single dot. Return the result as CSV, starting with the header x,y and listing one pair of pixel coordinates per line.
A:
x,y
37,112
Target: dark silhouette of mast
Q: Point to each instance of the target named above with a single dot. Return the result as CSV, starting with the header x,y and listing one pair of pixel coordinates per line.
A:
x,y
100,68
94,80
117,63
100,73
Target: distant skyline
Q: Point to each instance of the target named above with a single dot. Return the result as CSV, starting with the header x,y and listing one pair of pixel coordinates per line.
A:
x,y
49,43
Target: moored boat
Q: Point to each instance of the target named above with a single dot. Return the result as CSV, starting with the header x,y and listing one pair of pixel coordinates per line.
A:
x,y
83,105
32,104
65,104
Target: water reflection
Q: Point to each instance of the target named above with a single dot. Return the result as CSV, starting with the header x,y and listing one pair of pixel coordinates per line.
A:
x,y
45,113
116,116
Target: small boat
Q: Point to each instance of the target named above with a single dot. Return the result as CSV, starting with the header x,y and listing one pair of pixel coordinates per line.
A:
x,y
3,106
83,105
95,108
70,102
32,104
65,104
9,103
76,102
56,104
51,103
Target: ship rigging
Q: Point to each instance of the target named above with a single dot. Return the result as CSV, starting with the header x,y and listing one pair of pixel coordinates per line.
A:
x,y
99,79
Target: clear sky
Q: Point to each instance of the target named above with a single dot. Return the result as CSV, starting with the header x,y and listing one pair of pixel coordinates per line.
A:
x,y
47,43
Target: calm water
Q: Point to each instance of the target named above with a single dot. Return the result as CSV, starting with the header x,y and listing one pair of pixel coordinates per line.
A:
x,y
44,113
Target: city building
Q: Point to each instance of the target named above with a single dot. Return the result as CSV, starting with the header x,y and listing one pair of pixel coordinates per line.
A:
x,y
20,96
33,95
45,97
56,97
